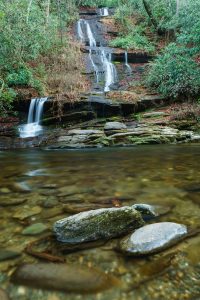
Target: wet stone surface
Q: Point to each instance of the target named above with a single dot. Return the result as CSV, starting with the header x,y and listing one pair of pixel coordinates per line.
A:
x,y
103,223
62,277
153,238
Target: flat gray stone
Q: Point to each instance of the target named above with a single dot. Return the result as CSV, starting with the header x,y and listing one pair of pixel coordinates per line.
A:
x,y
153,238
84,132
104,223
114,126
155,114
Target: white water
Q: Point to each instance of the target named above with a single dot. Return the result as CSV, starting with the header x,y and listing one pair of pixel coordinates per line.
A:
x,y
126,62
33,127
86,33
95,67
80,23
91,38
104,12
110,70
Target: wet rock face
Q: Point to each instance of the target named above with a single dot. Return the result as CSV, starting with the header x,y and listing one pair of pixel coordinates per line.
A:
x,y
97,224
62,277
153,238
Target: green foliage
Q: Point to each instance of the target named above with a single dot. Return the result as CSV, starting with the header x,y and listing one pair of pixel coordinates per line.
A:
x,y
174,73
23,76
135,40
98,3
6,98
189,24
28,33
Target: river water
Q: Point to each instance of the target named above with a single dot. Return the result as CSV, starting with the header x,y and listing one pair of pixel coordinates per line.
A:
x,y
51,184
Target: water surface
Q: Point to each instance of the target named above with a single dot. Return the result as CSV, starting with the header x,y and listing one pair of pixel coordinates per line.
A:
x,y
47,180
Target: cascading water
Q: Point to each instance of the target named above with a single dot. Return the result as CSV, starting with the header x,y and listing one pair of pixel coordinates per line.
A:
x,y
104,12
91,38
95,67
126,62
80,30
109,69
99,57
33,127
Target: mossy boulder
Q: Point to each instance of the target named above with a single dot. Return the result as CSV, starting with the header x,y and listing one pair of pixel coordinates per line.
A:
x,y
104,223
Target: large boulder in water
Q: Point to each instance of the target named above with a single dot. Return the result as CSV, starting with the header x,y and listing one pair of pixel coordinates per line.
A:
x,y
63,277
103,223
153,238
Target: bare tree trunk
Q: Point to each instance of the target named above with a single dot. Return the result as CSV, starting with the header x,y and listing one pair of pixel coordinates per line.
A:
x,y
60,18
177,7
47,11
28,10
149,12
151,17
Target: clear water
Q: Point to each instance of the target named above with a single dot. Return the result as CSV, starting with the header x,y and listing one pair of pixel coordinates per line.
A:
x,y
164,175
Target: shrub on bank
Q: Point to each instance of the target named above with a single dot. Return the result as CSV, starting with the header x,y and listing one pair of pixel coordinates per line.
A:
x,y
174,73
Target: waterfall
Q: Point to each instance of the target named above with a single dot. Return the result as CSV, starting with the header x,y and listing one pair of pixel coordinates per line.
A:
x,y
80,30
126,62
109,69
95,67
99,58
104,12
92,41
33,127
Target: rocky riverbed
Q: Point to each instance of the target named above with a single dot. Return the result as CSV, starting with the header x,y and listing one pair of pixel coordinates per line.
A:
x,y
164,177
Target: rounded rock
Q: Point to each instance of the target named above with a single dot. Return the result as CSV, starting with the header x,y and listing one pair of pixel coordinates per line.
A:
x,y
153,238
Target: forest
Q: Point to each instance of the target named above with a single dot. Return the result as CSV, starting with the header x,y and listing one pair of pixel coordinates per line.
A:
x,y
36,35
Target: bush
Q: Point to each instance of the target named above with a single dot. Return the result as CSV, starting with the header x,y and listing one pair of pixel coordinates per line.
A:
x,y
6,98
135,40
22,76
174,73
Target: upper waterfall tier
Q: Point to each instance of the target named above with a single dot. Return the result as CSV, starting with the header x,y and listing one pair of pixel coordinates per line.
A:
x,y
99,60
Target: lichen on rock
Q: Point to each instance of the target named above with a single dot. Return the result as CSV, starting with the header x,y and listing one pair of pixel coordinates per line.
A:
x,y
104,223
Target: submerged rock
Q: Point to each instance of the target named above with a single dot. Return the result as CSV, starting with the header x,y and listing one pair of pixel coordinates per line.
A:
x,y
35,229
104,223
6,254
3,295
149,211
62,277
26,212
8,201
153,238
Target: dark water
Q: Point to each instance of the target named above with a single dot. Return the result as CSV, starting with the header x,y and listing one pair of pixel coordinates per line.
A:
x,y
47,180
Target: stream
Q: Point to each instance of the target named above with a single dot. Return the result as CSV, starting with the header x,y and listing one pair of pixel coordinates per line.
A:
x,y
44,186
